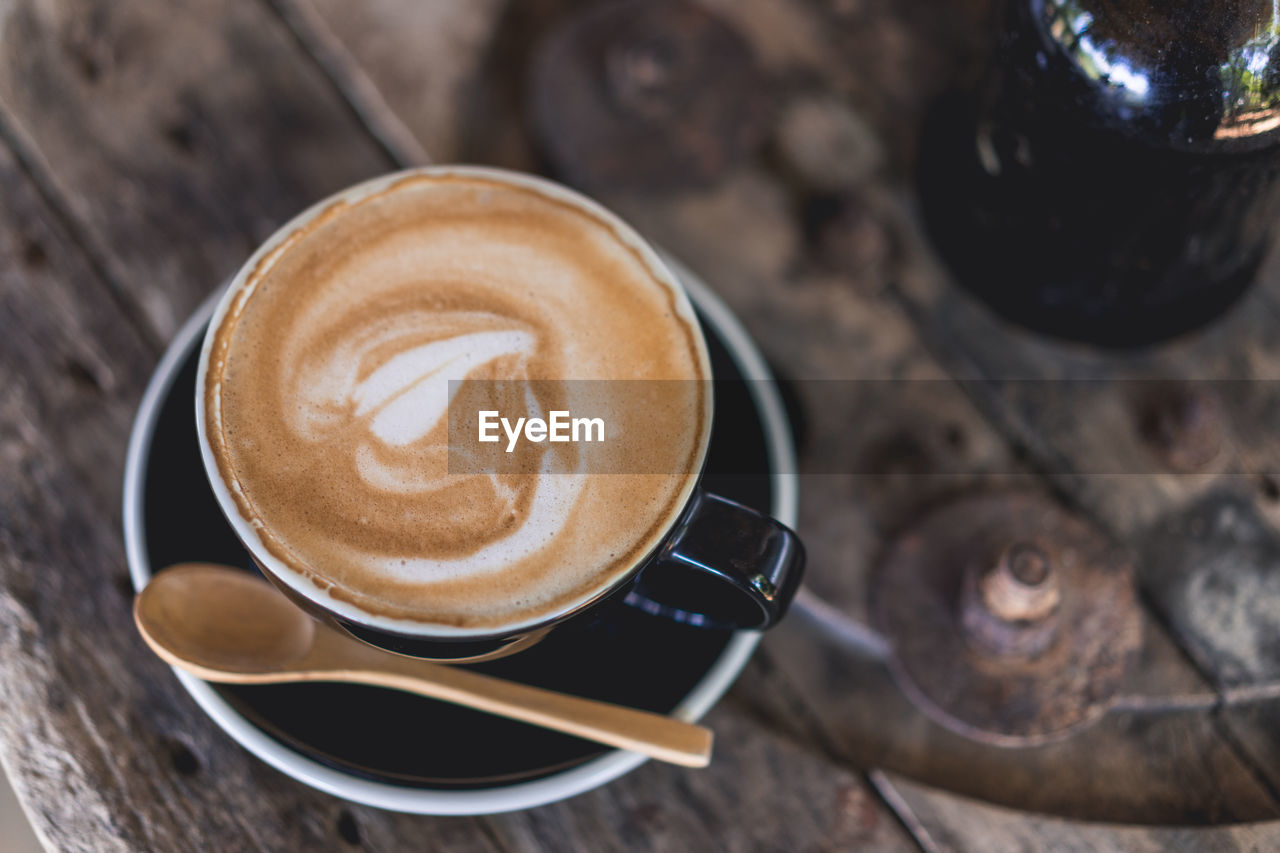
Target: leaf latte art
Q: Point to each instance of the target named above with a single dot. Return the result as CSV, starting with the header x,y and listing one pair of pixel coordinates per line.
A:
x,y
329,383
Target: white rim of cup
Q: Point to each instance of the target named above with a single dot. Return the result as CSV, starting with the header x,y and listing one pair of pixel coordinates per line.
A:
x,y
521,795
304,585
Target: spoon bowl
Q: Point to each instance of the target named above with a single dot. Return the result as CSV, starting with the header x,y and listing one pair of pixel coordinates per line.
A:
x,y
206,617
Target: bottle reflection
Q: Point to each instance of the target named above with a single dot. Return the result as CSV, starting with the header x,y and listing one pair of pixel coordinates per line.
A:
x,y
1114,178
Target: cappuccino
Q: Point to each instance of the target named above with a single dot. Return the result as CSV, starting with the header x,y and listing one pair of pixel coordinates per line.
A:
x,y
331,368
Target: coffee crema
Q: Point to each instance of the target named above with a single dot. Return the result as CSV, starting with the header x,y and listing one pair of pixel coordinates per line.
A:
x,y
328,386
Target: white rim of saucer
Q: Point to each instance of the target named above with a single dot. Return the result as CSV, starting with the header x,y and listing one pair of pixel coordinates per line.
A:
x,y
520,795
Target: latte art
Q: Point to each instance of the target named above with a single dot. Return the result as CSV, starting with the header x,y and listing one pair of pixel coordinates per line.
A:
x,y
390,380
393,379
332,372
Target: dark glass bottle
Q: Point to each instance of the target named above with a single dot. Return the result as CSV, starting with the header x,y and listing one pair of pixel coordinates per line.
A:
x,y
1115,178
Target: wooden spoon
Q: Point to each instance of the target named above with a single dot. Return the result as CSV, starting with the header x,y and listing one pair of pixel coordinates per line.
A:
x,y
228,626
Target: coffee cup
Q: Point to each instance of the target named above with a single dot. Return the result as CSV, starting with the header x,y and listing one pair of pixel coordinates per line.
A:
x,y
326,401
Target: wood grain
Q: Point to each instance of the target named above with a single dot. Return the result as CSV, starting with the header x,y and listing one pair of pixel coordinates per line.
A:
x,y
432,49
1216,597
824,311
764,791
143,196
105,748
159,144
176,137
949,823
1148,763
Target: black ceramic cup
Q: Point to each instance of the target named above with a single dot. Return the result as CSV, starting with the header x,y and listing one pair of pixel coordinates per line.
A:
x,y
718,565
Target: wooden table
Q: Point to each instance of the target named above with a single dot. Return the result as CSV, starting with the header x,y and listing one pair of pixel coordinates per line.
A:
x,y
146,149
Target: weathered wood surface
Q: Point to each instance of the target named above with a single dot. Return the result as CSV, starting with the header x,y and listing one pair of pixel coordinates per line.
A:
x,y
158,145
745,236
945,822
1151,762
174,137
143,198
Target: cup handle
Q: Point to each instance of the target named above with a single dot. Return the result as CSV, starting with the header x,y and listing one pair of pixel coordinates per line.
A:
x,y
725,566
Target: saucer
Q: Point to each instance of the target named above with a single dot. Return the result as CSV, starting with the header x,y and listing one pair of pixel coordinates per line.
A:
x,y
397,751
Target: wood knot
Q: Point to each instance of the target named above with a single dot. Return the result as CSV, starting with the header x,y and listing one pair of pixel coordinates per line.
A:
x,y
348,828
182,759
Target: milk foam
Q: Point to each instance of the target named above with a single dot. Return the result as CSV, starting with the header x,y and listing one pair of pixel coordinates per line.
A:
x,y
329,386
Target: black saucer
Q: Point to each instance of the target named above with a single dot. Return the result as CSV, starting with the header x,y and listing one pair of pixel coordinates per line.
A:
x,y
623,656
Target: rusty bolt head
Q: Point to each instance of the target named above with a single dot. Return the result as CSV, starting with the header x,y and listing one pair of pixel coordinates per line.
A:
x,y
825,145
1183,424
1021,586
1009,619
647,94
848,235
639,74
1007,607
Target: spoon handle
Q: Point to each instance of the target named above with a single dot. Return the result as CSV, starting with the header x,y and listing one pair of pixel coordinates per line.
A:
x,y
335,657
224,625
654,735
